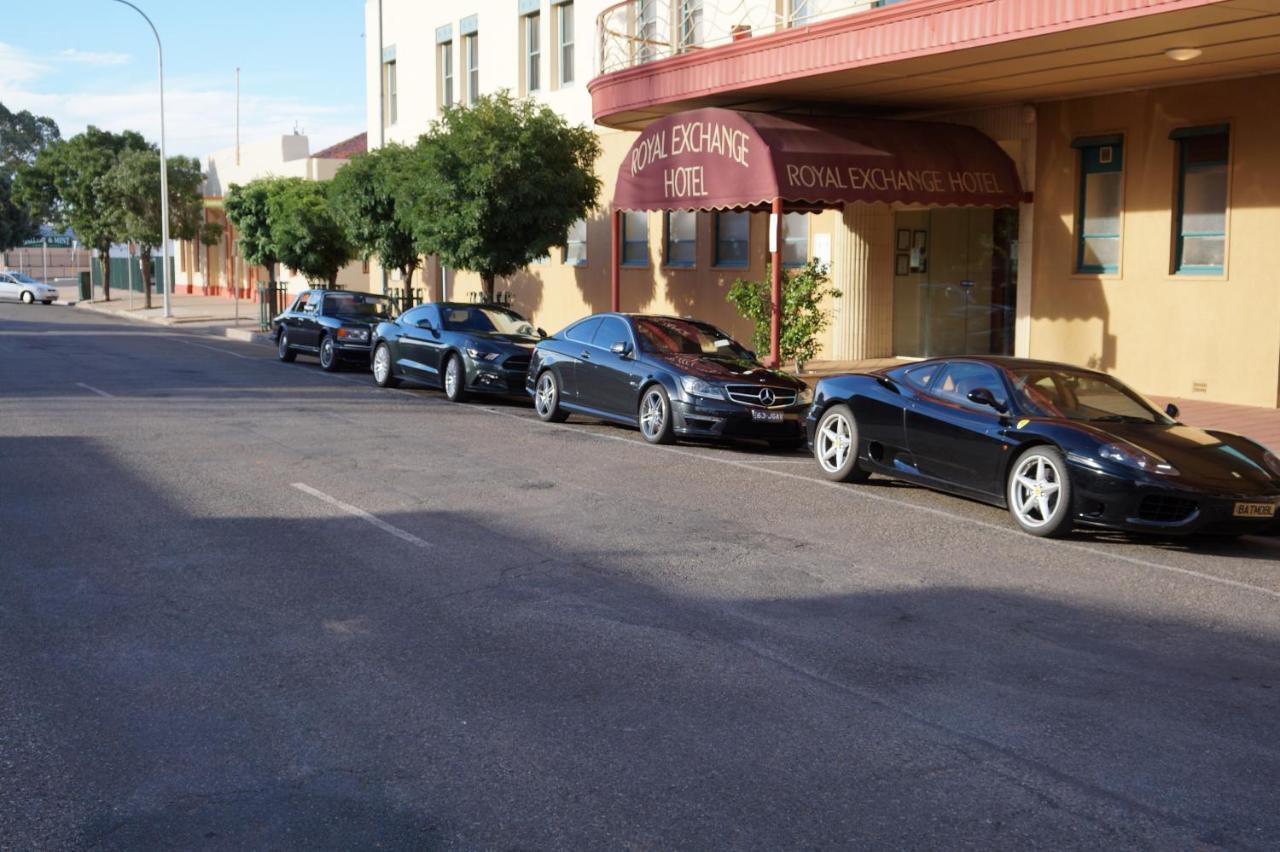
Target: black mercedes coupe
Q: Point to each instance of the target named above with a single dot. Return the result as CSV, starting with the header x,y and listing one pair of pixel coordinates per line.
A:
x,y
1057,445
460,347
667,375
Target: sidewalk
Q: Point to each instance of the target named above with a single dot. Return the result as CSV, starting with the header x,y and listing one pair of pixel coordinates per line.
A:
x,y
214,315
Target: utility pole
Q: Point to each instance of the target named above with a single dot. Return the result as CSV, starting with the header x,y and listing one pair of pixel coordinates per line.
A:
x,y
237,116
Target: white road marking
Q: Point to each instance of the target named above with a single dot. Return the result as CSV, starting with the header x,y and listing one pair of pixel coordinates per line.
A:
x,y
213,348
362,514
95,390
853,491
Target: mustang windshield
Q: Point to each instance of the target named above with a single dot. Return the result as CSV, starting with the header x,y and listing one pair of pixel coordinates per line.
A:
x,y
1078,395
485,319
358,305
667,336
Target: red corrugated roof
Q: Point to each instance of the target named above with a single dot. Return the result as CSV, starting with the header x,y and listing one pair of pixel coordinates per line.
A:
x,y
346,149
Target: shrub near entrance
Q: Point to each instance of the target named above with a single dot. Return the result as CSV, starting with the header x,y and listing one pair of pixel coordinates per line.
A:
x,y
803,318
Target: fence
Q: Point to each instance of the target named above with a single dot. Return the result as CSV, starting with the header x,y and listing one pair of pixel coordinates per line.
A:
x,y
126,274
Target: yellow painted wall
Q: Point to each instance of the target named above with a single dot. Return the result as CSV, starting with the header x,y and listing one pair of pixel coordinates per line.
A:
x,y
1162,333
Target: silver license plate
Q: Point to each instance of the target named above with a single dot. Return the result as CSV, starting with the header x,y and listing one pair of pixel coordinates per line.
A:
x,y
766,416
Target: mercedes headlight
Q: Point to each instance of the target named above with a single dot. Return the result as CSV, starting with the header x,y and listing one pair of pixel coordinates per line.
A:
x,y
482,355
1130,456
697,387
805,396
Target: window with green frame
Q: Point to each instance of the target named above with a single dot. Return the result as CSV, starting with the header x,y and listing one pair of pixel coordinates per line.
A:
x,y
1098,207
1200,244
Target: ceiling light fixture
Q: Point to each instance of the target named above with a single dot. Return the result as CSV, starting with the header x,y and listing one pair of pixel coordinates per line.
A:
x,y
1183,54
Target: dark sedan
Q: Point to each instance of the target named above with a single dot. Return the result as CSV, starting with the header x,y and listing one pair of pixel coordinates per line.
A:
x,y
668,376
335,325
1057,445
461,348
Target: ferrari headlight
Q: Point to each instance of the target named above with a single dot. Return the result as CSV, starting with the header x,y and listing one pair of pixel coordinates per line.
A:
x,y
482,355
697,387
1131,456
1272,462
355,335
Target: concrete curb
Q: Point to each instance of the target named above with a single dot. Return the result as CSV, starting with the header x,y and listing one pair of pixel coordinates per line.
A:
x,y
242,334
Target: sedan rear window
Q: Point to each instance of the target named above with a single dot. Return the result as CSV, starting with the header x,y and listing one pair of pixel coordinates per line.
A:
x,y
358,305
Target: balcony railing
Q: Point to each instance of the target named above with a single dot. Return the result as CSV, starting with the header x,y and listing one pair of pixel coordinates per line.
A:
x,y
634,32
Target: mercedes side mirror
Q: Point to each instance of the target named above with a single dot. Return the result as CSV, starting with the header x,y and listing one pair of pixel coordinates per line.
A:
x,y
982,396
620,348
1171,410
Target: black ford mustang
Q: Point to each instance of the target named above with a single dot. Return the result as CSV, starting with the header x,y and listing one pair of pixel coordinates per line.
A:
x,y
1057,445
460,347
667,375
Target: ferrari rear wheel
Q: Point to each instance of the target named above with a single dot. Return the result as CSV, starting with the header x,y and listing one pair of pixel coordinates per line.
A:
x,y
1039,493
835,446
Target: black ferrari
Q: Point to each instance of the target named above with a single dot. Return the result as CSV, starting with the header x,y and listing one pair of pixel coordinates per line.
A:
x,y
1055,444
459,347
667,375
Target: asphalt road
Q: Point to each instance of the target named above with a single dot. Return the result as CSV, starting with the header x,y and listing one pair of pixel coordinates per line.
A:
x,y
245,604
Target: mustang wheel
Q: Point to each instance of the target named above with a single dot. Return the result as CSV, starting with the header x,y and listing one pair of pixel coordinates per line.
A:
x,y
283,352
1039,492
27,298
382,373
328,355
455,379
655,416
546,398
835,446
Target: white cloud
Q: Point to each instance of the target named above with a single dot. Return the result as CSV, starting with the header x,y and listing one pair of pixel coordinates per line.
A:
x,y
92,57
18,67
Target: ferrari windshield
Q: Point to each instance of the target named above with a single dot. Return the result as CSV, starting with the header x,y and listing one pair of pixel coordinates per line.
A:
x,y
358,305
485,319
1080,395
669,336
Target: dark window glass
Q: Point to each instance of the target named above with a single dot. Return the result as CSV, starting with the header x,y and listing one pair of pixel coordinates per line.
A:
x,y
610,331
961,379
795,239
635,238
732,239
1202,204
362,305
670,336
582,331
917,376
682,237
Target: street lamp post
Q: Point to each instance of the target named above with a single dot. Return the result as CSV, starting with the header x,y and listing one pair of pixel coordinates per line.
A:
x,y
164,167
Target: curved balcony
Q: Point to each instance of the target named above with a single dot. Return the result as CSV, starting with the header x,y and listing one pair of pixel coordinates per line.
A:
x,y
634,32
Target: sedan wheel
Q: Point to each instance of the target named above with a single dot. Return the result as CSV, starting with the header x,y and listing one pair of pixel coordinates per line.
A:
x,y
835,445
283,352
329,355
382,373
546,398
1039,492
455,380
655,416
27,298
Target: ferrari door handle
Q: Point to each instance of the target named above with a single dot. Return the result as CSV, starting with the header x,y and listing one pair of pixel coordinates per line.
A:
x,y
585,356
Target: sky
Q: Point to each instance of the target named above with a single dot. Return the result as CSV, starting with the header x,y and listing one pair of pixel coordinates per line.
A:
x,y
85,62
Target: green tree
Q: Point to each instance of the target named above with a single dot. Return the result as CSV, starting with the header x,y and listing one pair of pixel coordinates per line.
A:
x,y
69,179
369,202
498,183
23,136
247,209
803,318
305,232
135,182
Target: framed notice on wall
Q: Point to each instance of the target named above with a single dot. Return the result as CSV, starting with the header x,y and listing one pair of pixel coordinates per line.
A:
x,y
904,239
903,264
920,251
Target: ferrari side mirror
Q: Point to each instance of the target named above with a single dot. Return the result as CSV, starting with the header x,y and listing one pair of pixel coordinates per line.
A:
x,y
1171,410
541,332
982,396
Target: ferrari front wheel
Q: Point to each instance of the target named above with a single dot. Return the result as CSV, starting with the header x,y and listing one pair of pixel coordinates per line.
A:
x,y
1039,492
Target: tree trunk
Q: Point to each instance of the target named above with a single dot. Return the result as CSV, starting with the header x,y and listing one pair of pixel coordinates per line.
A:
x,y
105,257
487,282
333,280
144,260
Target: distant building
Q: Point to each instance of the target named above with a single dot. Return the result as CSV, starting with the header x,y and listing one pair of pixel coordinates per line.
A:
x,y
217,269
51,255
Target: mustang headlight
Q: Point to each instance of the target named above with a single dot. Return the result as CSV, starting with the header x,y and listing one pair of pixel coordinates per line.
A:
x,y
1272,462
697,387
355,335
482,355
1130,456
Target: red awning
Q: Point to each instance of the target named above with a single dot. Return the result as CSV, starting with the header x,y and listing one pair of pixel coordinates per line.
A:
x,y
722,159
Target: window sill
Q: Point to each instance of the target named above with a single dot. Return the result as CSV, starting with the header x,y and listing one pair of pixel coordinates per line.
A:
x,y
576,264
633,265
1199,276
680,267
731,266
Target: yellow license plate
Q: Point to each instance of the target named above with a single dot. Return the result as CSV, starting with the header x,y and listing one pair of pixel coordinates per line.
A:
x,y
1255,510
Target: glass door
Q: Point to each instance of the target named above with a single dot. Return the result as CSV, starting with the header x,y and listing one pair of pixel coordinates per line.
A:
x,y
955,281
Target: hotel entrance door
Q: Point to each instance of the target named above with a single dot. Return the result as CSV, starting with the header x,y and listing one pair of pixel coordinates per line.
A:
x,y
955,281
